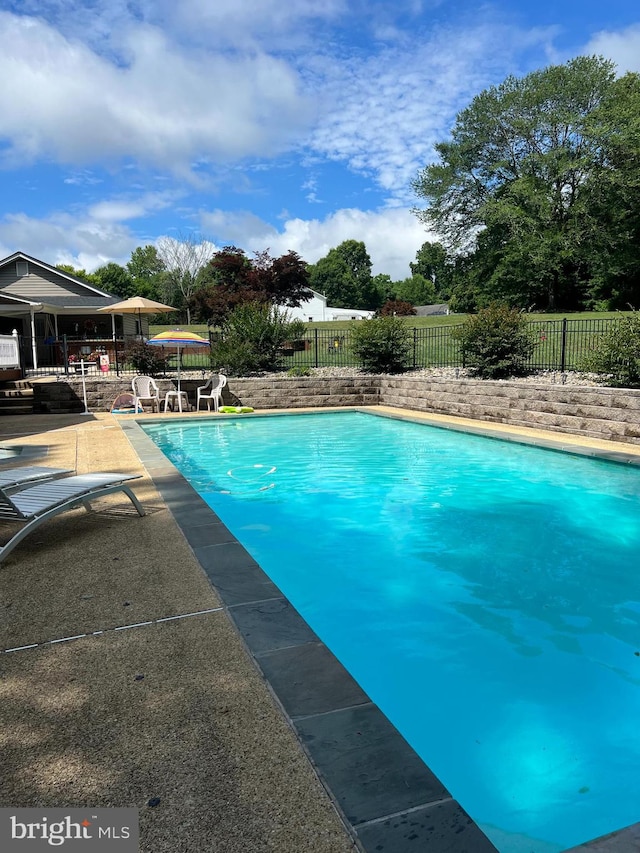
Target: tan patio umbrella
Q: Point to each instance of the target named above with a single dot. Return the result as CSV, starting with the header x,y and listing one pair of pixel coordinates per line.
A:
x,y
137,305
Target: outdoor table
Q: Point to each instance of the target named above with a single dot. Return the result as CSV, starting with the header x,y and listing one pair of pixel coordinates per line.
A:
x,y
172,396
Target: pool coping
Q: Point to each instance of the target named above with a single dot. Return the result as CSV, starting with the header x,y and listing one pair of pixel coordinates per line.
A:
x,y
387,797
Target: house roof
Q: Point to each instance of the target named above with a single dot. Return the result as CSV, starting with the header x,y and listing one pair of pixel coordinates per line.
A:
x,y
9,298
431,310
100,297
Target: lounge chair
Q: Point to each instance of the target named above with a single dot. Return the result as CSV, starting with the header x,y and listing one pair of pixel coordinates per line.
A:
x,y
15,478
211,392
145,389
36,504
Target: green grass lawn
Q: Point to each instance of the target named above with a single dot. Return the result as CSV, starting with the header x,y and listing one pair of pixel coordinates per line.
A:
x,y
414,322
329,343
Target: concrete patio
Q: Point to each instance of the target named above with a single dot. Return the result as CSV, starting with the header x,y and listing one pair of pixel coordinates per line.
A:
x,y
170,717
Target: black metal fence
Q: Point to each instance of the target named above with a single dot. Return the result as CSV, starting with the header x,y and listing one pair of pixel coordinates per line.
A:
x,y
68,356
560,345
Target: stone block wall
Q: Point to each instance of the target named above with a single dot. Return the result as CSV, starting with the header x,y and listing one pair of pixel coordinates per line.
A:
x,y
55,397
609,413
298,392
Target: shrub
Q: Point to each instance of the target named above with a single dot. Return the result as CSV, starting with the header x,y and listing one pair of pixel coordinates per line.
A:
x,y
496,342
299,371
617,355
397,308
383,344
146,359
252,339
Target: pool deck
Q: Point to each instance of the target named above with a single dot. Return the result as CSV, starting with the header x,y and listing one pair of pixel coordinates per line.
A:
x,y
229,725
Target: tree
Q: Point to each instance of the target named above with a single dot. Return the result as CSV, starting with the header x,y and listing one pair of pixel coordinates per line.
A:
x,y
417,290
514,188
283,280
434,263
384,288
231,279
615,250
147,271
78,273
397,308
183,259
344,277
115,279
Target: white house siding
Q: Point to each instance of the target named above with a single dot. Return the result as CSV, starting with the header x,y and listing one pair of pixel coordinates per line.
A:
x,y
311,311
316,310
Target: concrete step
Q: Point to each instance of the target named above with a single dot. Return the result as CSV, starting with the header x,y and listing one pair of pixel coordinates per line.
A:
x,y
16,398
16,410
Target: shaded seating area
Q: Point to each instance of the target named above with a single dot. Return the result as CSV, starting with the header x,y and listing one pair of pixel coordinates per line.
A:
x,y
34,505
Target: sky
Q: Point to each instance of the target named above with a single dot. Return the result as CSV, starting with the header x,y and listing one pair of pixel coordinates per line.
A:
x,y
264,124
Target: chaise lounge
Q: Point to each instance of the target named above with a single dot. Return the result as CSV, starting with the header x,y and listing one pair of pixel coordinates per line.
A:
x,y
36,504
15,478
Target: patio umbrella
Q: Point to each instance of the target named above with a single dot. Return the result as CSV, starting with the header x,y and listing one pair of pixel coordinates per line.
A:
x,y
137,305
178,340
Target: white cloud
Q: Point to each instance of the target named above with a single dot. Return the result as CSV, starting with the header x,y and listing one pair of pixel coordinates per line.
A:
x,y
383,113
95,236
392,236
164,107
622,47
247,22
64,239
119,209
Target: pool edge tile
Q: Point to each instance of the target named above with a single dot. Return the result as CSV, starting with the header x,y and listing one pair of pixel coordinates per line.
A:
x,y
440,827
625,840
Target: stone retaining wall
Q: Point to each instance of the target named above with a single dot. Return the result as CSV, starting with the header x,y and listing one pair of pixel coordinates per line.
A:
x,y
609,413
57,397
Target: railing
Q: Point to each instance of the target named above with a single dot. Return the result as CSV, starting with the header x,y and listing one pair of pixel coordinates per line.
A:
x,y
560,345
68,356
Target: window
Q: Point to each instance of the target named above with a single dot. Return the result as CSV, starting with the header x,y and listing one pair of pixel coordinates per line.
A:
x,y
22,268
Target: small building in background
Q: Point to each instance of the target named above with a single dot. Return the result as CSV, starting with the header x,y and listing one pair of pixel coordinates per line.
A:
x,y
316,310
432,310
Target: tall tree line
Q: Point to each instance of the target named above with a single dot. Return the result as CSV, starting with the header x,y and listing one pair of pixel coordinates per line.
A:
x,y
535,194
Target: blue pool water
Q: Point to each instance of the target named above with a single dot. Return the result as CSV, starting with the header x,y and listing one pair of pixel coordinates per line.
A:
x,y
485,594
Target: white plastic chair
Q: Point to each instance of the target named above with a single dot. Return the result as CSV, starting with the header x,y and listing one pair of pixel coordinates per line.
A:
x,y
211,392
145,389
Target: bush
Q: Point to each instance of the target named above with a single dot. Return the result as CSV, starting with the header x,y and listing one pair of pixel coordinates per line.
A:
x,y
382,344
148,360
617,355
397,308
496,342
252,339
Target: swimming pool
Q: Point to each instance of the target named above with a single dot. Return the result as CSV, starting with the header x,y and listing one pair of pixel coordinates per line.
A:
x,y
475,587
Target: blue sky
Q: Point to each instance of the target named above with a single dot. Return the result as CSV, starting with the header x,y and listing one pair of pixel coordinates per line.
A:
x,y
260,123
